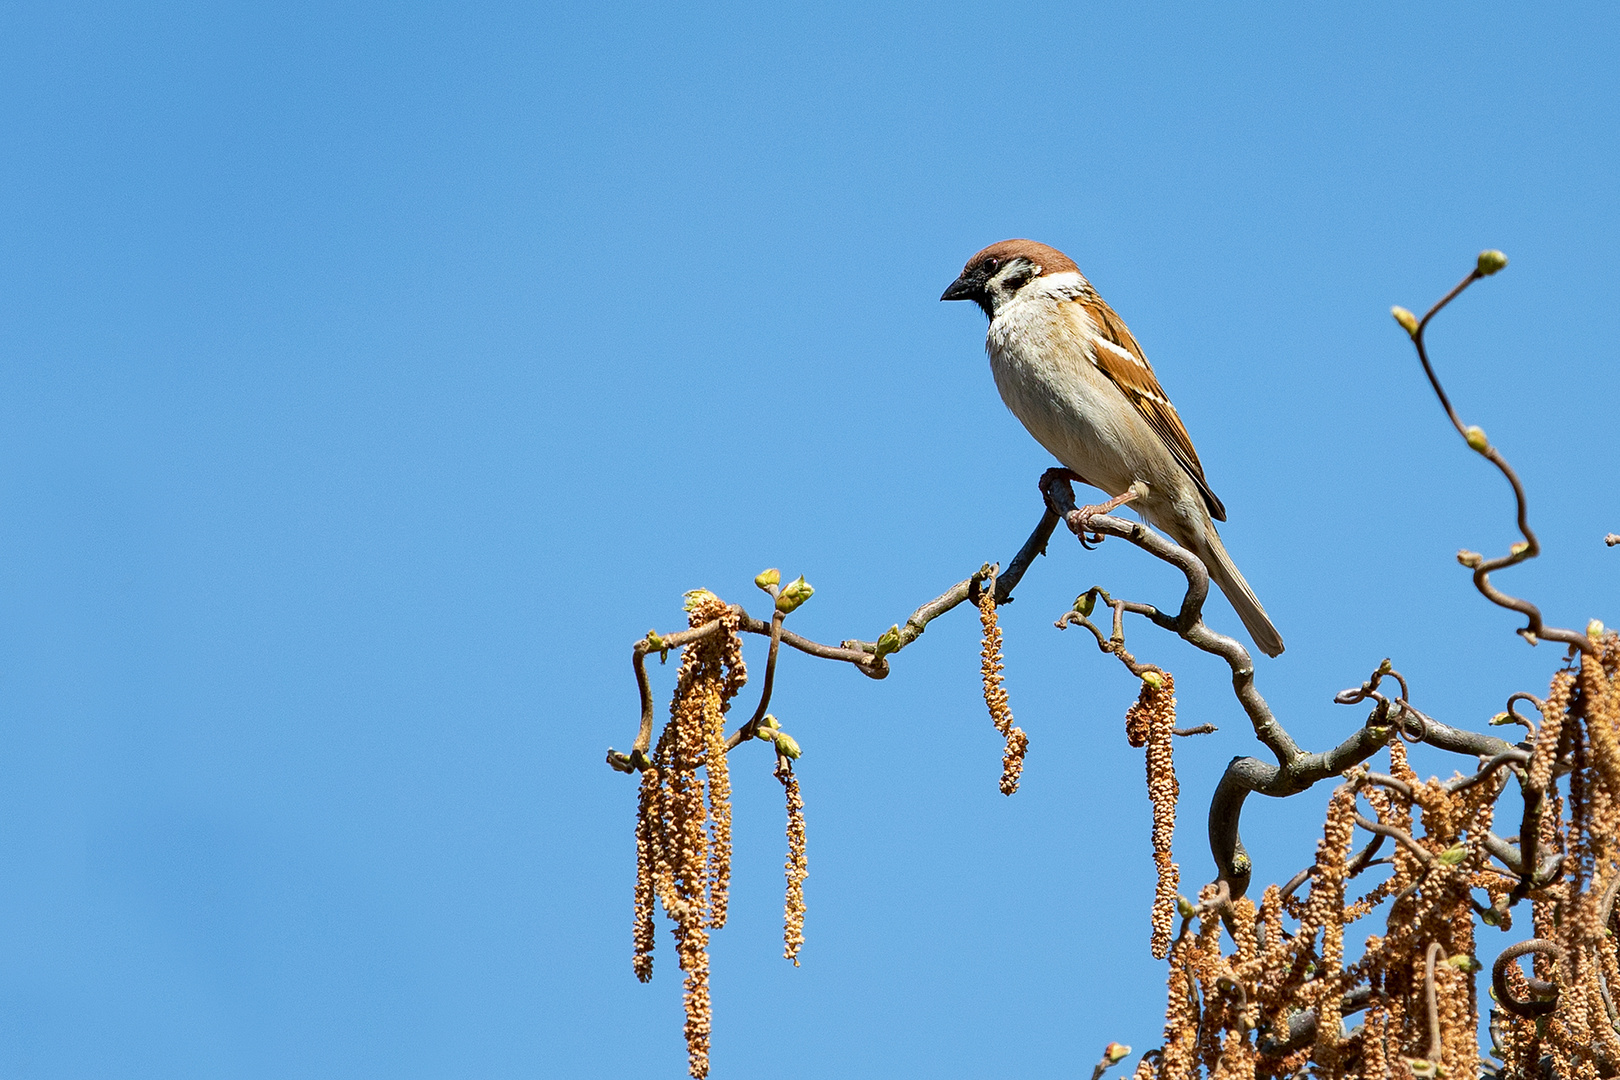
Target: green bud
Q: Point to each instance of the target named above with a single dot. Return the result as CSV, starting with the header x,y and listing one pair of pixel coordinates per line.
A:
x,y
1476,438
1385,667
654,642
1464,962
1407,320
1085,603
1470,559
1116,1053
1502,718
1153,679
1520,548
793,594
767,578
767,724
1454,856
1185,907
1594,629
787,746
1491,917
888,641
1490,262
698,597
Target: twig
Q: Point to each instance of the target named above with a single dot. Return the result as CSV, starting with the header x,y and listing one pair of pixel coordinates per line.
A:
x,y
1400,836
1504,995
1302,1025
747,730
1434,1005
1475,438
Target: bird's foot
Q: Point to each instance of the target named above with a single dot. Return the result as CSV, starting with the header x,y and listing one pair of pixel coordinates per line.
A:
x,y
1079,519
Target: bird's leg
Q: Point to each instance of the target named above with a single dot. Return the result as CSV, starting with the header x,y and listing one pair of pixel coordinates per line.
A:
x,y
1078,518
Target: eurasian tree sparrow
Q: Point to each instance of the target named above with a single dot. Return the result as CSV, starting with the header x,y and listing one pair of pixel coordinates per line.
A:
x,y
1070,371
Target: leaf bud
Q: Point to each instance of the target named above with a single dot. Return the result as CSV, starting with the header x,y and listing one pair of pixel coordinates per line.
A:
x,y
1520,548
654,642
1407,320
1454,855
1185,907
767,724
1476,438
793,594
1594,629
1464,962
768,578
1085,603
1470,559
1490,262
1491,917
1385,666
1116,1052
1501,718
1153,679
787,746
888,641
698,597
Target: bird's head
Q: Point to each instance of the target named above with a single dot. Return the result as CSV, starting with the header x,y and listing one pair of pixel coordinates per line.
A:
x,y
995,275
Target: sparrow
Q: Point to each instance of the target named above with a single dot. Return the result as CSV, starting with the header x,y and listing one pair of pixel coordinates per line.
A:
x,y
1071,372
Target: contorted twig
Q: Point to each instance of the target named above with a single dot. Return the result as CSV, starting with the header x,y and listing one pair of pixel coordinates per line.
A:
x,y
1490,262
1499,982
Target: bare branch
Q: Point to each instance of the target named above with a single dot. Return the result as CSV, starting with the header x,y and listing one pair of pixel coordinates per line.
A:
x,y
1435,949
1504,994
1535,629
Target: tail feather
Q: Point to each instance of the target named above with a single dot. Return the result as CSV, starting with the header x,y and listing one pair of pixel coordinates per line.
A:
x,y
1225,574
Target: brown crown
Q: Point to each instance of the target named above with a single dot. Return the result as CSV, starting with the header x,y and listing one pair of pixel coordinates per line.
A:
x,y
1049,259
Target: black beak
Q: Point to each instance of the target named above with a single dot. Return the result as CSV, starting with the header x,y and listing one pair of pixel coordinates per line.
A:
x,y
965,287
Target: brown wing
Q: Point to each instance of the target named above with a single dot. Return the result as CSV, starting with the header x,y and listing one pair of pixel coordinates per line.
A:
x,y
1120,358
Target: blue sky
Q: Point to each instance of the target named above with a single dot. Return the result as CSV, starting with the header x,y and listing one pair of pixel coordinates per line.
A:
x,y
372,376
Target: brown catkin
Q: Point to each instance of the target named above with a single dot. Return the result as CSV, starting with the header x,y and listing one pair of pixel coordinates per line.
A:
x,y
995,695
683,824
1237,1059
1180,1017
1154,714
797,869
1325,908
645,930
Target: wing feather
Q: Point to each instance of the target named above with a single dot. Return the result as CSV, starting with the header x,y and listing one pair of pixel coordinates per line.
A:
x,y
1119,357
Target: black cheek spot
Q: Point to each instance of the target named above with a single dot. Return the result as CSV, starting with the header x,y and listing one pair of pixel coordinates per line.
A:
x,y
1019,278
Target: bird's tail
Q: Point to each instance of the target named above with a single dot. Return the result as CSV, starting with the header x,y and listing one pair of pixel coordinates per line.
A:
x,y
1225,574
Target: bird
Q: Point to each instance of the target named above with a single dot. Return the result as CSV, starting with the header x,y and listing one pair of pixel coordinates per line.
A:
x,y
1068,368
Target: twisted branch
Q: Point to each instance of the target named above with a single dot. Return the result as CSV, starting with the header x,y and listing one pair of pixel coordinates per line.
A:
x,y
1489,263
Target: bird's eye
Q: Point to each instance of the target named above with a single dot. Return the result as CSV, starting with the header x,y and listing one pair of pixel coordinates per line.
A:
x,y
991,266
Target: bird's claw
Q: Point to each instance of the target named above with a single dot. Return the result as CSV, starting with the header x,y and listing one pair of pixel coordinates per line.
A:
x,y
1079,519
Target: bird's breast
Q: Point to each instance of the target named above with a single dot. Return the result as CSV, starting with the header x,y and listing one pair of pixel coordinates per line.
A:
x,y
1042,365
